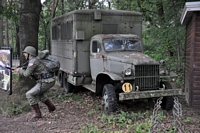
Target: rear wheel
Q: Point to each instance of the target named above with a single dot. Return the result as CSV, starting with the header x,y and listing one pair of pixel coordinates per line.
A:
x,y
167,102
60,78
66,85
109,99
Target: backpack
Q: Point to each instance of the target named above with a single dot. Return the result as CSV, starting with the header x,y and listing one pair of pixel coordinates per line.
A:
x,y
51,63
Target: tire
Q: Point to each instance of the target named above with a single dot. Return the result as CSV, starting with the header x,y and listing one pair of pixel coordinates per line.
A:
x,y
167,102
109,99
66,85
60,78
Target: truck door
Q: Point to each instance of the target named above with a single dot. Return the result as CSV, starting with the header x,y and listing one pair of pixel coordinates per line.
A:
x,y
96,60
5,71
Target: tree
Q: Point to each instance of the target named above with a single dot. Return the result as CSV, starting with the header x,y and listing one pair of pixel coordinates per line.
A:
x,y
1,23
6,29
9,13
28,29
29,24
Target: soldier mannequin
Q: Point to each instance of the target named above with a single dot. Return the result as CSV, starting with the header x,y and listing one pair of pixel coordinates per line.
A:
x,y
37,93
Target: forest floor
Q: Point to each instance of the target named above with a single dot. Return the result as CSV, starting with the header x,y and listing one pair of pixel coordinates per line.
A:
x,y
82,112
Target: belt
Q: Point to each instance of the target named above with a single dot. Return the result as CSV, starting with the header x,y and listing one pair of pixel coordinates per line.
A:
x,y
47,75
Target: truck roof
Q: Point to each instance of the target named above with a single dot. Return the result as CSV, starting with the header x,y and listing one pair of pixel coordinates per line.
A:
x,y
111,12
117,12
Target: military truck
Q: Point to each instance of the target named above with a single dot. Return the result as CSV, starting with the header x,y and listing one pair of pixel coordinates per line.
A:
x,y
102,51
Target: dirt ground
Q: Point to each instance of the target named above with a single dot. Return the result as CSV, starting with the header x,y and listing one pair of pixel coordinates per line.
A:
x,y
72,115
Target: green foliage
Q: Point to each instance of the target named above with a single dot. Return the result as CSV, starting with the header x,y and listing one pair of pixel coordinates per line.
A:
x,y
124,119
1,10
60,97
142,127
90,112
10,15
91,107
14,109
77,98
15,78
132,122
90,128
10,11
187,120
15,105
96,107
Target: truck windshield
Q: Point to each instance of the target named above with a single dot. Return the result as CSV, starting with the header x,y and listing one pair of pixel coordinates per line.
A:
x,y
122,44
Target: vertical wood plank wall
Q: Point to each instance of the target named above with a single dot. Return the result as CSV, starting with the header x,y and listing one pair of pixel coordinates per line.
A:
x,y
196,64
188,62
192,61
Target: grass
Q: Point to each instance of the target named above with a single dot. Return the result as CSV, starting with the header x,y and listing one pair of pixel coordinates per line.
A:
x,y
120,122
13,105
187,120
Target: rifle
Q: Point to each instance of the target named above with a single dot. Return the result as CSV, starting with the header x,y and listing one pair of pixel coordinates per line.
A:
x,y
10,68
22,66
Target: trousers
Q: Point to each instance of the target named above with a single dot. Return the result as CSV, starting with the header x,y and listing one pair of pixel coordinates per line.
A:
x,y
38,92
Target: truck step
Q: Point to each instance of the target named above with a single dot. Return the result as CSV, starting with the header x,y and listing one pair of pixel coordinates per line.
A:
x,y
90,87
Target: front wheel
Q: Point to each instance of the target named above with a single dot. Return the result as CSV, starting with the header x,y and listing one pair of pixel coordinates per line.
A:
x,y
167,102
109,99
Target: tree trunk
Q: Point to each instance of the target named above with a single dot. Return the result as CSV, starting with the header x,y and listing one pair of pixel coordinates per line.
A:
x,y
63,7
17,39
6,32
29,26
1,25
54,6
1,31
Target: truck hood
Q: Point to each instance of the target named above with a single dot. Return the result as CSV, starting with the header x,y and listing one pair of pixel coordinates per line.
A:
x,y
134,58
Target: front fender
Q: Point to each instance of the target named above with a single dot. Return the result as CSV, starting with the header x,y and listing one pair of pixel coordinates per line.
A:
x,y
113,76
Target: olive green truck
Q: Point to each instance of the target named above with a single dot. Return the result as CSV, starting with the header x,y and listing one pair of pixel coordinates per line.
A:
x,y
102,51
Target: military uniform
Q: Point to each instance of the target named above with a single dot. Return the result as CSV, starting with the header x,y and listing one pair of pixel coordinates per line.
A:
x,y
37,93
44,79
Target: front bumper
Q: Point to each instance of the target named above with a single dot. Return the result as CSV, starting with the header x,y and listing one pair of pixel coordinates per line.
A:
x,y
149,94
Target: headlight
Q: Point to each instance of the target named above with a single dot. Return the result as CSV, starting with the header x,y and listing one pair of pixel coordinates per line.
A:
x,y
128,72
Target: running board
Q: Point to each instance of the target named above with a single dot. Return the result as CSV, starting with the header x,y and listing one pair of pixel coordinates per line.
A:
x,y
90,87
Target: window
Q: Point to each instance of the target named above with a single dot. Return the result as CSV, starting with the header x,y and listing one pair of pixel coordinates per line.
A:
x,y
58,32
96,47
54,33
113,44
63,31
122,44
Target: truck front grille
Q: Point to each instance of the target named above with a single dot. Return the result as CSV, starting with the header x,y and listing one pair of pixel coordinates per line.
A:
x,y
147,77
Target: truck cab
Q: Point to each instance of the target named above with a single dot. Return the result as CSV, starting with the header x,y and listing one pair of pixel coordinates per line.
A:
x,y
118,63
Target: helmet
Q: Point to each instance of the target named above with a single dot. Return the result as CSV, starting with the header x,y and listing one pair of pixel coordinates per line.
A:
x,y
30,50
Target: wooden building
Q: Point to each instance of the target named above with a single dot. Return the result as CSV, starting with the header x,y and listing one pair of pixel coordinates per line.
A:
x,y
191,18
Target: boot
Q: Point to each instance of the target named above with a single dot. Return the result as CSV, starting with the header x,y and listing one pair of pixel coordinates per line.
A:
x,y
37,113
50,105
